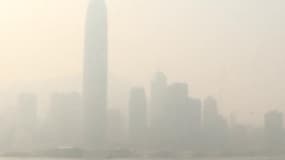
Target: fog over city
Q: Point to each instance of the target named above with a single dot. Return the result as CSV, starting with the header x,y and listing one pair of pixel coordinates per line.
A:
x,y
144,76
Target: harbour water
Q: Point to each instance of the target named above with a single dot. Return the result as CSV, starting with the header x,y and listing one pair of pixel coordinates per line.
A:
x,y
208,158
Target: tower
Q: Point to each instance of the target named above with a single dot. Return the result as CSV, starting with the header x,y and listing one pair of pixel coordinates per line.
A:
x,y
95,74
158,110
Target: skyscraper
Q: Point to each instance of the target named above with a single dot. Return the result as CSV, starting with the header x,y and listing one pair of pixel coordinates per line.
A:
x,y
157,100
178,116
117,130
64,120
214,126
195,122
157,114
137,117
95,74
274,130
26,122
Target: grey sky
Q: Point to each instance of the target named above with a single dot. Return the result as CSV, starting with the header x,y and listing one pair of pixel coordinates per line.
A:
x,y
232,49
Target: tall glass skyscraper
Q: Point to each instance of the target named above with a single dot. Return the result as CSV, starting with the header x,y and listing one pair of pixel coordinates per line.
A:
x,y
95,74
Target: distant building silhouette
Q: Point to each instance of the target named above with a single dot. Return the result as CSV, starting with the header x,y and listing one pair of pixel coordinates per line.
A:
x,y
65,119
215,127
175,117
117,134
7,131
195,123
95,75
274,130
158,110
26,124
210,113
178,116
138,117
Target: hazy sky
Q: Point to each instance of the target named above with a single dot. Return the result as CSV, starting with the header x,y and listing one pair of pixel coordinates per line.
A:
x,y
232,49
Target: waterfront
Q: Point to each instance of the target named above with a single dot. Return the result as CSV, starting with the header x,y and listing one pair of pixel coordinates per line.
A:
x,y
208,158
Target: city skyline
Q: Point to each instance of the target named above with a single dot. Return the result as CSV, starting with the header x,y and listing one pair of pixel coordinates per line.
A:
x,y
185,85
222,48
171,121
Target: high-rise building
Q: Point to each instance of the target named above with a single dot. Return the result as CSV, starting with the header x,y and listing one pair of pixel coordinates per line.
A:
x,y
195,122
210,112
95,75
27,104
117,129
157,100
137,117
214,126
25,131
158,109
64,120
178,116
274,130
